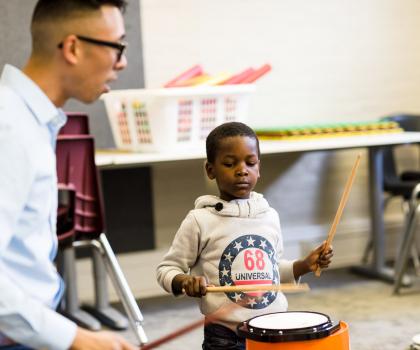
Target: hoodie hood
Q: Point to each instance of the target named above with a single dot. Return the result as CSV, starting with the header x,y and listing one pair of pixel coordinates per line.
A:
x,y
244,208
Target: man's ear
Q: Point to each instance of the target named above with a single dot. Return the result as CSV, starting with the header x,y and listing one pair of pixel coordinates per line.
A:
x,y
210,171
70,49
259,168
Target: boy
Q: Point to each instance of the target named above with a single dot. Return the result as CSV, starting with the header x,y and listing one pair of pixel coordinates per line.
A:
x,y
232,239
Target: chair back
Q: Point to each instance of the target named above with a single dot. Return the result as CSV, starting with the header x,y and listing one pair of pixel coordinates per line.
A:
x,y
77,124
408,122
76,167
66,215
392,181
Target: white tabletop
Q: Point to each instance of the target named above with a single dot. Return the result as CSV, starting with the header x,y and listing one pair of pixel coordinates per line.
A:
x,y
106,159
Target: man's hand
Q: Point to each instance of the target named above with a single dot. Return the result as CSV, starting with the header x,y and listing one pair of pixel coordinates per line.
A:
x,y
87,340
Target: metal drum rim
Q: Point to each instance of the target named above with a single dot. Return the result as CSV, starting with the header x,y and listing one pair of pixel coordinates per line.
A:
x,y
294,334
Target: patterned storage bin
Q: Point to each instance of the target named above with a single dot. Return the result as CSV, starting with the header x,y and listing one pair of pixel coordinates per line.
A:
x,y
158,120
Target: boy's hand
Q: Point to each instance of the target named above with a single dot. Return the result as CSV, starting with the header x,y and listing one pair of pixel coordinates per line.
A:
x,y
313,260
193,286
318,257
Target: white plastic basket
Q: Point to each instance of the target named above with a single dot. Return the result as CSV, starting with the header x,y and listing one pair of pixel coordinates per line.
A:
x,y
158,120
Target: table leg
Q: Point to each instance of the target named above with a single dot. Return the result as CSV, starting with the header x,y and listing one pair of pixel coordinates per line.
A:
x,y
377,268
376,180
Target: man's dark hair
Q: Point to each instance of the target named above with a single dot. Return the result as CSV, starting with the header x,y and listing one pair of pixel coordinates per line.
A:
x,y
55,9
225,130
48,15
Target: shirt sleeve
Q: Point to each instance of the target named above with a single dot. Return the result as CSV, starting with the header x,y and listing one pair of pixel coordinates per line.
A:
x,y
286,271
182,255
29,322
16,177
23,318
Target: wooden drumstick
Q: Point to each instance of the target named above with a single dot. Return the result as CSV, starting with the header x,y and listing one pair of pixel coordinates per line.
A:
x,y
181,331
285,288
340,209
224,310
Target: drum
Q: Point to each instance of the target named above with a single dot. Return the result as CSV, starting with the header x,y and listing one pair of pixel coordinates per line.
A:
x,y
295,330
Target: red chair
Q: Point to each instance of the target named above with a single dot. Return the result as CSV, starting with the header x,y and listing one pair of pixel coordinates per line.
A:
x,y
76,169
77,124
65,216
67,233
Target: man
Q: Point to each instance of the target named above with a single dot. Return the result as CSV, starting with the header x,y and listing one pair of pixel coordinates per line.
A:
x,y
76,52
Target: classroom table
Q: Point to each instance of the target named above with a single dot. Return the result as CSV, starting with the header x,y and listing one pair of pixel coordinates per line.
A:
x,y
373,142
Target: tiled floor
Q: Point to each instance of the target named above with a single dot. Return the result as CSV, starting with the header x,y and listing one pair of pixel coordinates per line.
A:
x,y
377,319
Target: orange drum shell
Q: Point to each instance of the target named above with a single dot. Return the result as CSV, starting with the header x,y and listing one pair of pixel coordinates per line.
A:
x,y
339,340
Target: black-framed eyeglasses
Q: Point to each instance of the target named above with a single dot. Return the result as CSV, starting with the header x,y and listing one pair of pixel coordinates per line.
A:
x,y
119,46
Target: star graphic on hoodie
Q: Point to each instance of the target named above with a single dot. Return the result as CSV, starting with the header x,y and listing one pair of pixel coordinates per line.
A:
x,y
251,302
264,301
238,246
237,297
225,272
250,241
229,257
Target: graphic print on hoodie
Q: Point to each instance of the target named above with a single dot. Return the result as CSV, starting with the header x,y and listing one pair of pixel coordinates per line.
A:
x,y
249,260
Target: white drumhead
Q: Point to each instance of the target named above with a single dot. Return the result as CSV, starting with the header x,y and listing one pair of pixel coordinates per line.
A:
x,y
288,320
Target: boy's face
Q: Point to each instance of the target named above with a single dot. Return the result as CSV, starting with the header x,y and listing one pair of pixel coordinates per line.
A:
x,y
236,167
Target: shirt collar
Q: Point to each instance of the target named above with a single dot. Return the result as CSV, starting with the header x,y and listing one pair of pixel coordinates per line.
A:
x,y
36,100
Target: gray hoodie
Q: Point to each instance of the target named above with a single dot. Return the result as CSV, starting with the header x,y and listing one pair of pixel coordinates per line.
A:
x,y
232,243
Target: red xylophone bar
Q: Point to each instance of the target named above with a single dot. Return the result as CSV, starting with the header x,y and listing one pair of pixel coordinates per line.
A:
x,y
188,74
237,78
257,74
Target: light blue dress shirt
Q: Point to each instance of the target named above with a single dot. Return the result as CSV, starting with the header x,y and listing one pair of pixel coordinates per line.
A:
x,y
30,287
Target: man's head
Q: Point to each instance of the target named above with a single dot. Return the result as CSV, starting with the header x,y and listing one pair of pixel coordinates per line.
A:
x,y
233,159
81,41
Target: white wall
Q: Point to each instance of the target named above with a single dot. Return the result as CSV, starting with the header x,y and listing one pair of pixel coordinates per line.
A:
x,y
332,61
